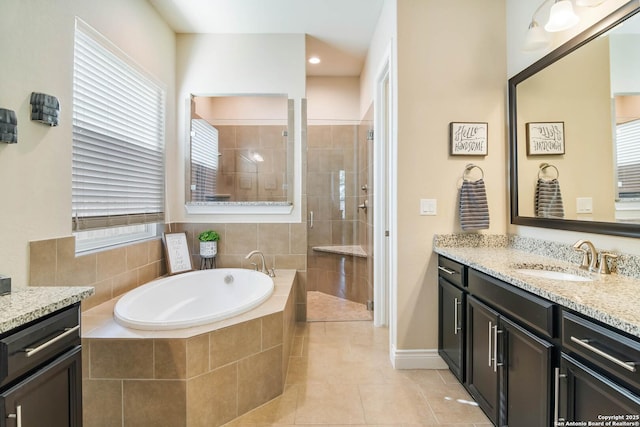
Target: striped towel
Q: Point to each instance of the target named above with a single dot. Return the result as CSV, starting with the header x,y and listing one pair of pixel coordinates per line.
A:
x,y
474,210
548,202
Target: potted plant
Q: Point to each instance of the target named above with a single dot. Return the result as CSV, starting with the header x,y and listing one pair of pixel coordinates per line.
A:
x,y
208,243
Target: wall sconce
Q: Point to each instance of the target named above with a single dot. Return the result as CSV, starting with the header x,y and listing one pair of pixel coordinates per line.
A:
x,y
8,126
561,17
45,108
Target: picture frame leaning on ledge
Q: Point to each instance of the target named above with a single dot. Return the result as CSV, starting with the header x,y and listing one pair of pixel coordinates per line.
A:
x,y
176,251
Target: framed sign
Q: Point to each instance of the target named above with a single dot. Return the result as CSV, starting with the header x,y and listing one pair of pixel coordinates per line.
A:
x,y
545,138
176,251
468,139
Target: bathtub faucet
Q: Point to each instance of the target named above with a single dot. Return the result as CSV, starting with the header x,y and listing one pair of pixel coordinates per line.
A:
x,y
264,264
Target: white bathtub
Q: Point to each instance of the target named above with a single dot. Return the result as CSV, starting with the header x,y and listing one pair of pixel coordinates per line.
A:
x,y
192,299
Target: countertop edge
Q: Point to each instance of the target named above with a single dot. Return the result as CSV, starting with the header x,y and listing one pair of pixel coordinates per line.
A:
x,y
24,305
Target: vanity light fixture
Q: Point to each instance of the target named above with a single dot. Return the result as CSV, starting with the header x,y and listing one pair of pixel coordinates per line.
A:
x,y
562,17
589,3
536,38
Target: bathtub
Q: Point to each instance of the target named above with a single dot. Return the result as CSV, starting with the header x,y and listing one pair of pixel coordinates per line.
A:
x,y
193,298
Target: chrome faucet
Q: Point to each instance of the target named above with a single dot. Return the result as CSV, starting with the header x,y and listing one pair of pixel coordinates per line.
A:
x,y
589,255
264,264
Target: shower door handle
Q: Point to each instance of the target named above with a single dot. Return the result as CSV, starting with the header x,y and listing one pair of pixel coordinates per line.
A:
x,y
311,219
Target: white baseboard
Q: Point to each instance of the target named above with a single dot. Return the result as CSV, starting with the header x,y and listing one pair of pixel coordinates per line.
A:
x,y
417,359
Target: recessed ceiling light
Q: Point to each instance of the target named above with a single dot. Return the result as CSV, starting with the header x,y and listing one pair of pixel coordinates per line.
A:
x,y
314,60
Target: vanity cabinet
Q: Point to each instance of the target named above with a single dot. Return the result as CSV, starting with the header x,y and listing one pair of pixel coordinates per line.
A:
x,y
451,315
40,372
599,372
510,352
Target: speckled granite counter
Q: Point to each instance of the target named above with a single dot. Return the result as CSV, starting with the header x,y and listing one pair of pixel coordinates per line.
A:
x,y
612,299
23,305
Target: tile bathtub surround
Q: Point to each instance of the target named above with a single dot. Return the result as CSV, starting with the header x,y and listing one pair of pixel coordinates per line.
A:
x,y
203,376
111,272
625,264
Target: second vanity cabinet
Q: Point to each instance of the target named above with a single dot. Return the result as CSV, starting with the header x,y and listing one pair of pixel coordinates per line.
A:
x,y
529,362
509,362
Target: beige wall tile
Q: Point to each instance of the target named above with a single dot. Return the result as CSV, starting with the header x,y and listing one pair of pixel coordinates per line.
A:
x,y
235,342
72,270
241,238
157,403
169,359
272,330
121,358
42,265
137,255
111,263
102,403
273,238
291,262
103,291
156,250
212,399
259,379
124,282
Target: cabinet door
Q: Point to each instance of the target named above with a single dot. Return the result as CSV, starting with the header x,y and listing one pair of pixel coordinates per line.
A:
x,y
587,395
527,377
482,375
50,397
450,330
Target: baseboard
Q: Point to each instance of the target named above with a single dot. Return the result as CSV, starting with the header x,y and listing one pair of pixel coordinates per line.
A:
x,y
417,359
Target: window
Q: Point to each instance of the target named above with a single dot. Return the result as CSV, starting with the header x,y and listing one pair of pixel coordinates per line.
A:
x,y
204,160
118,144
628,160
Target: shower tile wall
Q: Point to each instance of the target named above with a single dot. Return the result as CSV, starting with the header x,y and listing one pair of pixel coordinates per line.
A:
x,y
333,195
239,173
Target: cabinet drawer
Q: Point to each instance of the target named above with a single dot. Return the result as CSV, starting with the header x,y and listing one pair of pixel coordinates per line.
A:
x,y
530,310
452,271
38,342
603,347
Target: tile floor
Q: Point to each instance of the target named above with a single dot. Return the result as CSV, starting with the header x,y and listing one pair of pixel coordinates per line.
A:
x,y
340,374
327,308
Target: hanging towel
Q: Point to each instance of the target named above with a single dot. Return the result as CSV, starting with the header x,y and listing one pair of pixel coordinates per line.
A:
x,y
548,202
474,210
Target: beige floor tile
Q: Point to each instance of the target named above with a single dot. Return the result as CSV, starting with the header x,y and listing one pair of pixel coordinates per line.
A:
x,y
329,404
395,403
279,411
452,404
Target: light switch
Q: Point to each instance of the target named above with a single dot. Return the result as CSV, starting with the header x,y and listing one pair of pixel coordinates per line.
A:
x,y
428,206
584,204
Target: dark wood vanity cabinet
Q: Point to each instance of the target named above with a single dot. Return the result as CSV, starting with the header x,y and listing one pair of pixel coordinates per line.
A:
x,y
599,372
40,372
509,368
451,315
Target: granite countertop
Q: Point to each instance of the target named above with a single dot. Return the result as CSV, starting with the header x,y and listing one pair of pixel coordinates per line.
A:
x,y
612,299
353,250
23,305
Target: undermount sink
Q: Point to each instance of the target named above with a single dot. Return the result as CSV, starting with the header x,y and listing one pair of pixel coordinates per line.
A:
x,y
554,275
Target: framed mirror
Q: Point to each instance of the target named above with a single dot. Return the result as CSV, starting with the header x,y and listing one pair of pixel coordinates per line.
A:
x,y
574,149
240,150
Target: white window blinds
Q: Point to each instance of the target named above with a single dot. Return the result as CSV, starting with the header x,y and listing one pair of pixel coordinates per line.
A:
x,y
118,137
204,159
628,159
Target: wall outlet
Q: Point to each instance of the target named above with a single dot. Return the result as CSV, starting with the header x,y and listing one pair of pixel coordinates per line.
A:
x,y
428,206
584,205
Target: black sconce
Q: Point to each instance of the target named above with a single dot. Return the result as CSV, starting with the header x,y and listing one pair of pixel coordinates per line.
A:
x,y
8,126
45,108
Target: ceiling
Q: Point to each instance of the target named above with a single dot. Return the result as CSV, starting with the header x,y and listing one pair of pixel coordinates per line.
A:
x,y
337,31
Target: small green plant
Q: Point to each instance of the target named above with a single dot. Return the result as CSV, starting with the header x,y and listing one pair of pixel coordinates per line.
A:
x,y
209,236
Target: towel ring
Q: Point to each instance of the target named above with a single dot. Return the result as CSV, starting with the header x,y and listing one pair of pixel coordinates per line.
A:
x,y
468,169
545,166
